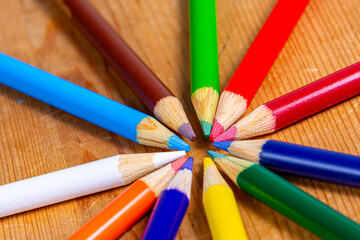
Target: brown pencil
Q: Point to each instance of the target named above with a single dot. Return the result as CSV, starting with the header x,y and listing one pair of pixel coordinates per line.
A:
x,y
145,84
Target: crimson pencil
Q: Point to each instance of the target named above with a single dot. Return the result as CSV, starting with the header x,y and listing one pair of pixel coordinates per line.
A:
x,y
145,84
256,64
297,105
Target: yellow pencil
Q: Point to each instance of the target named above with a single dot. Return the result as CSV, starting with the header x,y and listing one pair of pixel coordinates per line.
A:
x,y
220,205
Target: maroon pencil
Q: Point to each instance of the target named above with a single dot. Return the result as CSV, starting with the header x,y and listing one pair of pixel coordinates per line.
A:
x,y
145,84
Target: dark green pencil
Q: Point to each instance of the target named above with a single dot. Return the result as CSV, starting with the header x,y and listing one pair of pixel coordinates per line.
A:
x,y
287,199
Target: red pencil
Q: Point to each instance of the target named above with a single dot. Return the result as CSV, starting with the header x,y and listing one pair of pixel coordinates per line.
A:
x,y
297,105
256,64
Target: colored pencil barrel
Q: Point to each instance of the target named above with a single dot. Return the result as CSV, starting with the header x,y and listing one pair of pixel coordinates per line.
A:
x,y
144,83
316,96
287,199
298,160
88,105
267,46
297,105
296,204
79,181
311,162
117,52
171,206
251,72
129,206
205,86
220,206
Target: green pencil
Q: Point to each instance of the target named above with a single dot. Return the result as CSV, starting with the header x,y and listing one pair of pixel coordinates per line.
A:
x,y
287,199
204,61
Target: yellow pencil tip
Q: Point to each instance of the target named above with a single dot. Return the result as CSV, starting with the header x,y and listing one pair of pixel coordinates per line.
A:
x,y
208,161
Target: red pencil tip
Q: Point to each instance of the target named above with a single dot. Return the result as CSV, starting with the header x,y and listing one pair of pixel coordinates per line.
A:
x,y
216,130
228,135
176,165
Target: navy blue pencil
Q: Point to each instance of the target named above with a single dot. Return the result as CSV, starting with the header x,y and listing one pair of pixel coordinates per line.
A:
x,y
171,206
298,160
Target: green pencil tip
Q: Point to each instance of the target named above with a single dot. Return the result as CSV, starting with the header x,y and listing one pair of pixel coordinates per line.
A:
x,y
206,127
215,155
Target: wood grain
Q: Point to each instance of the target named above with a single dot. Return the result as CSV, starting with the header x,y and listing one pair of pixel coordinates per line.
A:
x,y
36,138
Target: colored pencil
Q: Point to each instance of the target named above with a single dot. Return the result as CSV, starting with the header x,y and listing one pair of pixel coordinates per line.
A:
x,y
257,62
80,180
205,86
287,199
299,160
171,206
297,105
88,105
144,83
220,205
129,206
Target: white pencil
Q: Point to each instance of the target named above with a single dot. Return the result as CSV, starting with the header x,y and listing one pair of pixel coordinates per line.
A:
x,y
80,180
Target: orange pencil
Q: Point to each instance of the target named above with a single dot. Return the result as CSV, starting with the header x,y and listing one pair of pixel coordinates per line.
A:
x,y
128,207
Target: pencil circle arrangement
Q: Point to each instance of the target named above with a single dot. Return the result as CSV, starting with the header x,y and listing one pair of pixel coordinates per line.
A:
x,y
221,196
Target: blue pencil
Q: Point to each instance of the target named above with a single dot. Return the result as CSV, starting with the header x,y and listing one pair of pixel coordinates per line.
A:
x,y
171,206
88,105
299,160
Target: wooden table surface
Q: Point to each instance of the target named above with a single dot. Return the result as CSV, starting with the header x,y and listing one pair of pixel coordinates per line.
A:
x,y
37,139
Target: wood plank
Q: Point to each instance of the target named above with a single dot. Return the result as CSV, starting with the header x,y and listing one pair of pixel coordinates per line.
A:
x,y
37,138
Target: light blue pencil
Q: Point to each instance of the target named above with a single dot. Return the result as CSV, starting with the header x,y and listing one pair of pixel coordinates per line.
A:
x,y
88,105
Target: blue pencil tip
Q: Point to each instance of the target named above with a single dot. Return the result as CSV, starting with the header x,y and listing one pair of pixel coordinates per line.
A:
x,y
222,145
188,164
214,155
176,143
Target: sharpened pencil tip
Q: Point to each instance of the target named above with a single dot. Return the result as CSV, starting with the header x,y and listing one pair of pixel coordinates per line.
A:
x,y
215,155
187,131
176,165
188,164
207,162
206,127
216,130
177,144
228,135
222,145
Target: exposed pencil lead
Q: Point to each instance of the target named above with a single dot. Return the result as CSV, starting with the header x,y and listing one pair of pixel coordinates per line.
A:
x,y
188,164
222,145
176,165
170,111
216,130
215,155
177,144
206,127
207,162
187,131
228,135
